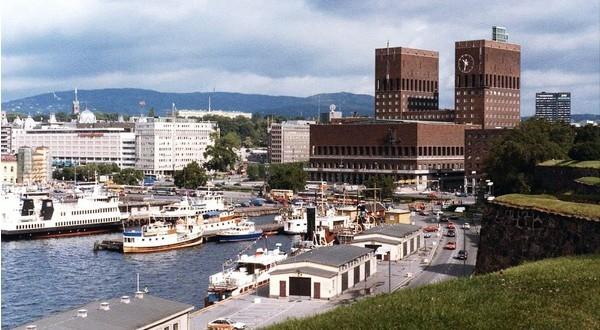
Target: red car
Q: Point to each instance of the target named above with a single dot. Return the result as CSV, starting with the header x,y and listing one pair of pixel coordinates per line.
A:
x,y
450,246
430,229
451,225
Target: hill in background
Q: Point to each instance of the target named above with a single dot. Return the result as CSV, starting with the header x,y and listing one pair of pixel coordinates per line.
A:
x,y
126,101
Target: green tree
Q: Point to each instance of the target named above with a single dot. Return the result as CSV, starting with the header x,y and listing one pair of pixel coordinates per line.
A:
x,y
151,112
512,160
128,176
191,177
287,176
221,156
587,143
252,172
231,139
385,185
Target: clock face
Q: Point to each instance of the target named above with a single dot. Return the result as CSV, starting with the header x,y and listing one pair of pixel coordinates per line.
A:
x,y
466,63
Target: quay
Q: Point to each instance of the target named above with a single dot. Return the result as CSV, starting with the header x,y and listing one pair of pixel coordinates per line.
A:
x,y
256,211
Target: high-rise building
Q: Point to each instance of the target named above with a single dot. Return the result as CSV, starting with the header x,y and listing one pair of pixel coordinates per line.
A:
x,y
499,34
488,83
165,145
553,107
406,80
289,141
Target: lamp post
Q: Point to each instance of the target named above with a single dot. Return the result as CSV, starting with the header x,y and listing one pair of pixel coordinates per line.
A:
x,y
390,271
473,173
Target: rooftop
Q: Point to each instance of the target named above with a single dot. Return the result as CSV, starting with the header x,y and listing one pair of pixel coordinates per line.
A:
x,y
334,256
392,230
133,315
307,270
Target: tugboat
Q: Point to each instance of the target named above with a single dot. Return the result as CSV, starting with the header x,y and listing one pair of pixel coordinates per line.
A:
x,y
244,231
248,273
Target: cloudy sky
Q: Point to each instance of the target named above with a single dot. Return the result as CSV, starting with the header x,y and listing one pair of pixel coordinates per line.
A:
x,y
297,48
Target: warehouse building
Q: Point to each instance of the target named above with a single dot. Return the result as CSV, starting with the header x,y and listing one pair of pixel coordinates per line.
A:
x,y
323,273
400,240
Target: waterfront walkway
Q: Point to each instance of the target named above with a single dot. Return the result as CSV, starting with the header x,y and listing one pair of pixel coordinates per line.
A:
x,y
256,310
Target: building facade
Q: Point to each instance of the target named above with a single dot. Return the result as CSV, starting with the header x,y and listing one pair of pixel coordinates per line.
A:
x,y
8,169
478,144
81,144
34,165
488,83
554,107
185,113
165,145
289,141
322,273
411,152
406,80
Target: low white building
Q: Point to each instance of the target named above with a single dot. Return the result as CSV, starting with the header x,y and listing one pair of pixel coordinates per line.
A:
x,y
140,312
400,240
322,273
202,113
165,145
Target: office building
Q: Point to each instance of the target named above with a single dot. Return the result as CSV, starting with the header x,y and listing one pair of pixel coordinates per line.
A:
x,y
411,152
499,34
488,83
553,107
289,141
185,113
81,143
406,80
165,145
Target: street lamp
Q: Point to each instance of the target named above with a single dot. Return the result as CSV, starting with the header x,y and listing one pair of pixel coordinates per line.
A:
x,y
473,173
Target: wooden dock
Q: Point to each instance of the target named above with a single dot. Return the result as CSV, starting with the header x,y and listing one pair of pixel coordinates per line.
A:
x,y
109,245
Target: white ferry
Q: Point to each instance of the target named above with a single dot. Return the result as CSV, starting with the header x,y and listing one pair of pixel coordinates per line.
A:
x,y
249,273
175,227
295,222
215,215
39,215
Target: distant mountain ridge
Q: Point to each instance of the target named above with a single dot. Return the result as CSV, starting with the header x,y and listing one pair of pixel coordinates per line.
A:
x,y
127,100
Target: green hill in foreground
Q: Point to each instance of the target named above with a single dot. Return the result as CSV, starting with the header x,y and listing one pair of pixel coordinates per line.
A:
x,y
562,293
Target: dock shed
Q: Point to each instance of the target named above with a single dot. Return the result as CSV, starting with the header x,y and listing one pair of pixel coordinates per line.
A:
x,y
400,240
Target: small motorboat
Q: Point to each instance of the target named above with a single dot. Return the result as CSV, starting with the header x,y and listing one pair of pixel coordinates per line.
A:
x,y
244,231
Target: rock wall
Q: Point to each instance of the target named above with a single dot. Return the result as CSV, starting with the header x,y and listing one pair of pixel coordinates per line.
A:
x,y
511,235
558,179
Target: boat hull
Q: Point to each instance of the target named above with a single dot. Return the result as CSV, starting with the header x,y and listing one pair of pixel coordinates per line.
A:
x,y
57,232
238,237
179,245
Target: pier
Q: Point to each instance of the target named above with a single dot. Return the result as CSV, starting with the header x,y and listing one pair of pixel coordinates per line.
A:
x,y
256,211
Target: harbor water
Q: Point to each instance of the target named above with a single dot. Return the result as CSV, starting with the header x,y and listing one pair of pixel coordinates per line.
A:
x,y
40,277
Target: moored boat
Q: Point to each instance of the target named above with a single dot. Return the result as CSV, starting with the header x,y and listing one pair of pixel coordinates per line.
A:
x,y
244,231
248,273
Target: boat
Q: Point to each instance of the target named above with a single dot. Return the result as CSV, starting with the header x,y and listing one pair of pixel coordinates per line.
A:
x,y
215,215
177,226
295,220
244,231
28,215
162,236
247,273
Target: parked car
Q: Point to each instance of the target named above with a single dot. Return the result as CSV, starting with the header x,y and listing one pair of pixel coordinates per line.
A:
x,y
444,218
451,225
451,233
466,226
427,235
462,255
225,324
430,229
424,213
450,246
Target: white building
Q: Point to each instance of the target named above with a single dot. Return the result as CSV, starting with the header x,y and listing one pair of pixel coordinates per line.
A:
x,y
400,240
322,273
185,113
164,145
289,141
140,312
80,144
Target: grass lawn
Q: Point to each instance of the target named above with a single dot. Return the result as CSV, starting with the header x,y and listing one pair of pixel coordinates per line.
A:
x,y
557,293
591,180
572,163
552,204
